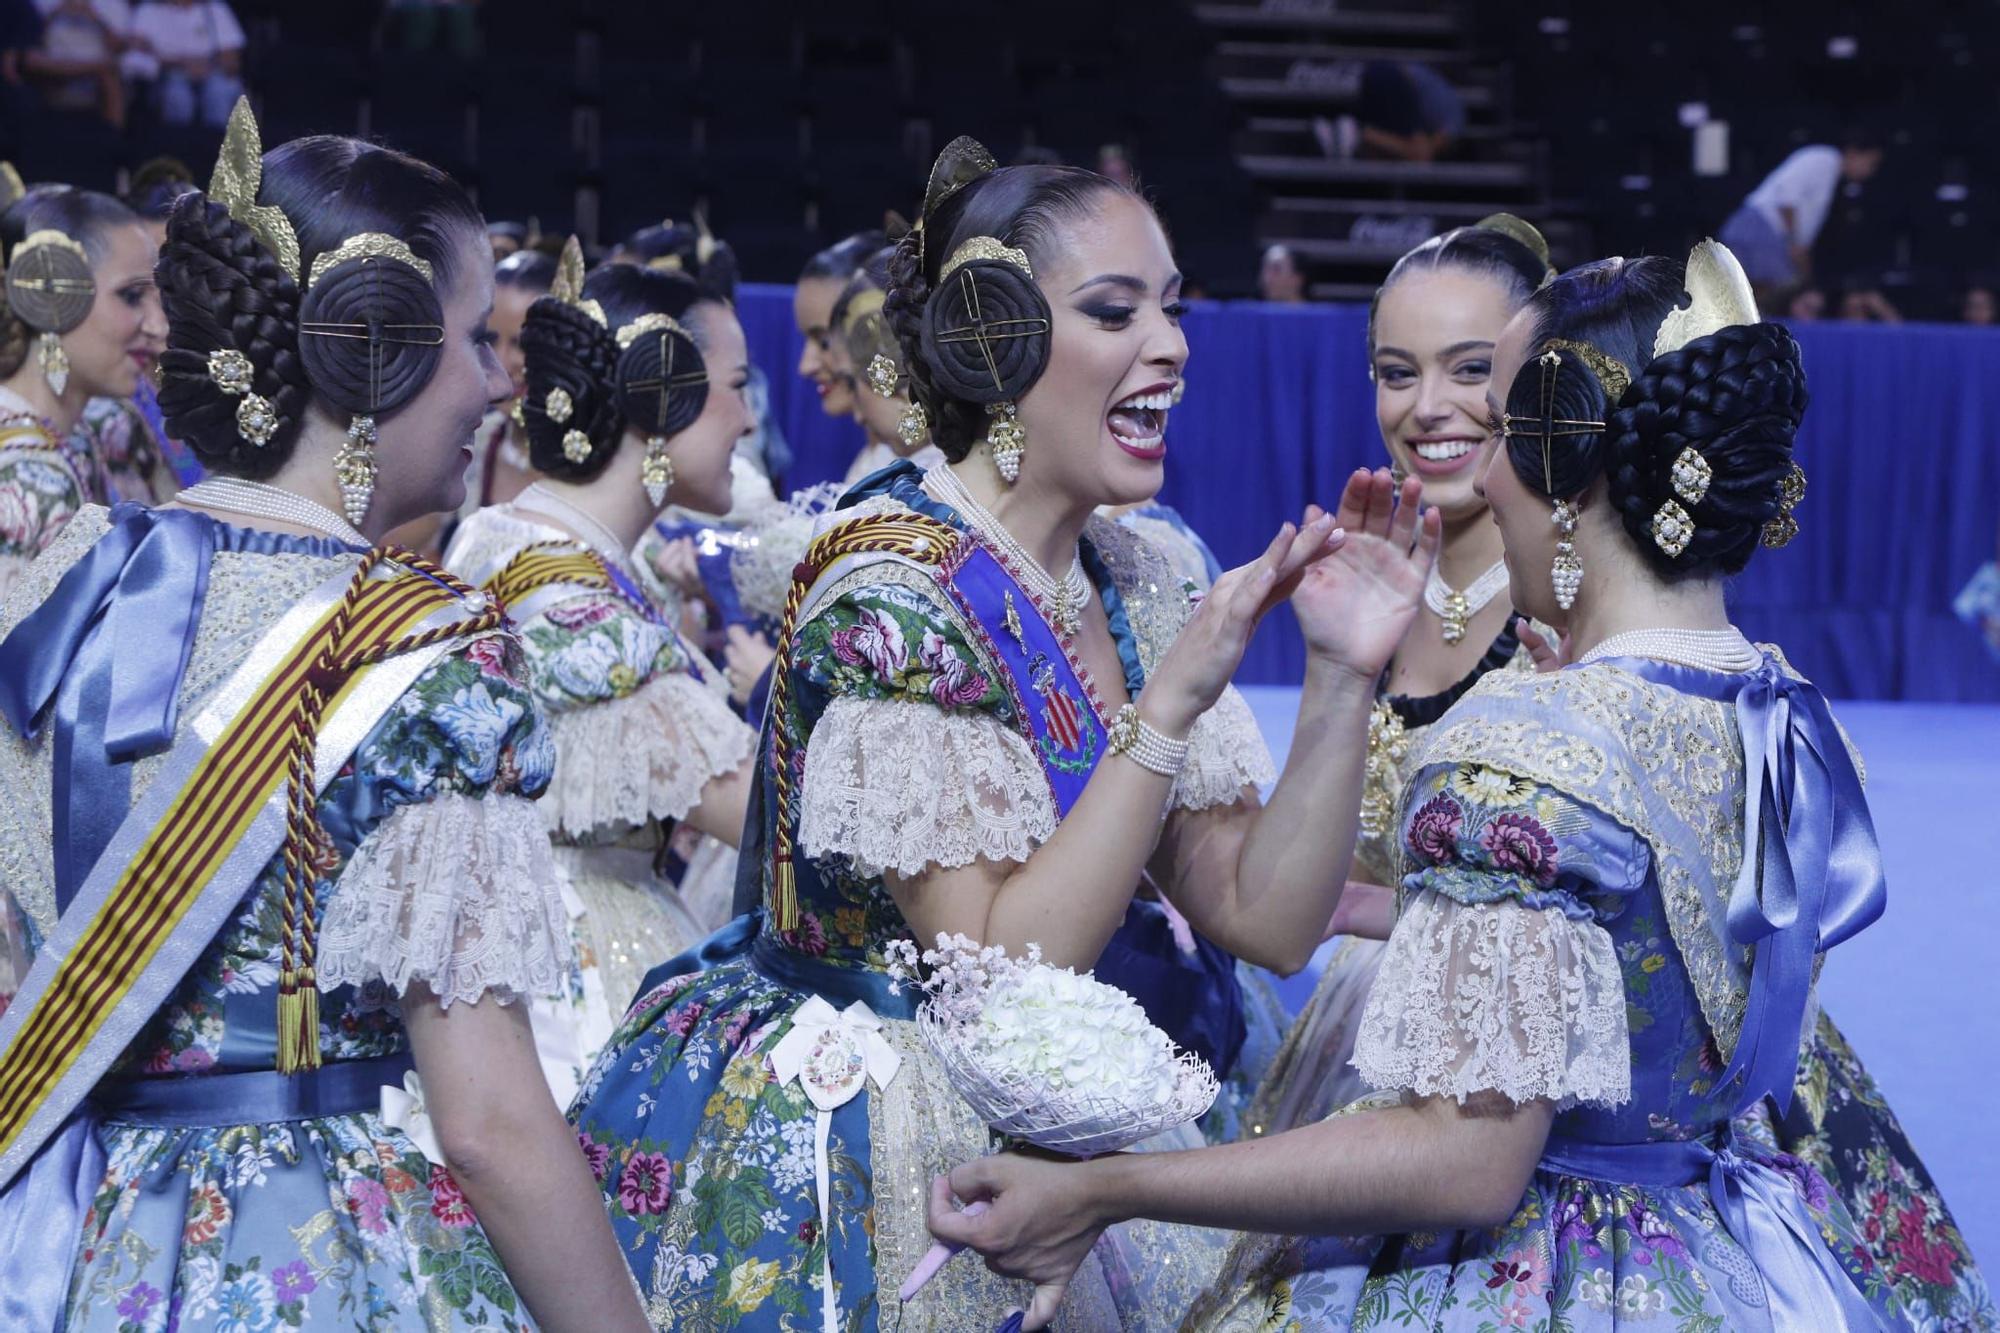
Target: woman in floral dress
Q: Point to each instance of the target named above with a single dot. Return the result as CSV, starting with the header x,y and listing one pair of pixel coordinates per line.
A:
x,y
84,322
941,756
1621,876
644,734
234,1146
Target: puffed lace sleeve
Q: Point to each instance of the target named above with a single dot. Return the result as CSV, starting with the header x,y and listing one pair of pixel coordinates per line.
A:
x,y
39,495
451,881
1500,975
913,759
638,733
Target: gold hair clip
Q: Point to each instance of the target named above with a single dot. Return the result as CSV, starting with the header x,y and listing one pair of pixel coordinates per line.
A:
x,y
368,245
882,376
654,322
230,371
568,284
1782,527
1612,376
239,172
1719,296
985,247
558,405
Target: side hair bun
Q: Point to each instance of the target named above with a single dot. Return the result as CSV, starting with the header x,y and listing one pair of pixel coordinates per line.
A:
x,y
661,377
371,332
986,325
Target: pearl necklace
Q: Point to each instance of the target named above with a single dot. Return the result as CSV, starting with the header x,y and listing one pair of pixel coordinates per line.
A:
x,y
1065,600
257,499
594,534
1721,650
1456,609
13,407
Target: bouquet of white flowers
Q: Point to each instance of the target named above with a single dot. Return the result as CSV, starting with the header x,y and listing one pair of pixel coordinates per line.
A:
x,y
1044,1054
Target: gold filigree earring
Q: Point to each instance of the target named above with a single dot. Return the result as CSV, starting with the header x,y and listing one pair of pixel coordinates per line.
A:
x,y
656,470
354,467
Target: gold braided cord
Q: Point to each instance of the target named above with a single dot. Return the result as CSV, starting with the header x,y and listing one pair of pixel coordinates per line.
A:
x,y
912,536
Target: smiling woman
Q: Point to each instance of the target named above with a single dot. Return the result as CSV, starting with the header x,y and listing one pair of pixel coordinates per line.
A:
x,y
993,714
80,319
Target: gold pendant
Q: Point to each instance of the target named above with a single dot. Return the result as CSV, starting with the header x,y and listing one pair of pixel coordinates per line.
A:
x,y
1456,612
1012,619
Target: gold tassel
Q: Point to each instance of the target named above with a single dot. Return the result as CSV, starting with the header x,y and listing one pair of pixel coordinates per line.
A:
x,y
298,1022
784,896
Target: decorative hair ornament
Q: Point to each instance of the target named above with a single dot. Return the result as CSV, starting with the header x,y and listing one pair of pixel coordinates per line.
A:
x,y
963,161
1691,475
1566,573
882,375
653,322
576,446
1782,528
230,371
368,245
1546,426
985,247
1523,232
255,421
50,289
239,172
662,385
1673,526
914,426
1612,377
1008,440
558,406
11,186
354,466
1719,296
568,284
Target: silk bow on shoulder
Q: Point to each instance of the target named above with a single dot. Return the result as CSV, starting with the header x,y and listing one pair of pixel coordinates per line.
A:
x,y
108,649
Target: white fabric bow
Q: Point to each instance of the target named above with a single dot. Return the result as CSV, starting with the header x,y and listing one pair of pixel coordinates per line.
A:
x,y
832,1053
403,1108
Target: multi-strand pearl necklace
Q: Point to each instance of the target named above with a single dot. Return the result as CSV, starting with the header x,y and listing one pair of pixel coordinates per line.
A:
x,y
1065,600
1455,608
1721,650
258,499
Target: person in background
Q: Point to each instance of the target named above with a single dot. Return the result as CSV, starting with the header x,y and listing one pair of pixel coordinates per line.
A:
x,y
506,238
1863,303
820,284
1114,163
1774,229
1279,277
1805,305
1976,306
191,51
76,65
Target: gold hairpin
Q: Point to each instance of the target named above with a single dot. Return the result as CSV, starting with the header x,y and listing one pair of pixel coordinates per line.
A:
x,y
368,245
1612,376
654,322
239,172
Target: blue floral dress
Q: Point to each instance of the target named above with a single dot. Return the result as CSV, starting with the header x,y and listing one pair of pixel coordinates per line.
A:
x,y
641,724
913,755
44,481
1558,836
437,873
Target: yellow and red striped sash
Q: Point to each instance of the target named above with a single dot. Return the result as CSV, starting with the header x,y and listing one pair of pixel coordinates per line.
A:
x,y
209,814
547,564
909,536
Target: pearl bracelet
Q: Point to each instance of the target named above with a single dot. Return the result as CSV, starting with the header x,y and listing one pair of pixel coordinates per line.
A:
x,y
1136,739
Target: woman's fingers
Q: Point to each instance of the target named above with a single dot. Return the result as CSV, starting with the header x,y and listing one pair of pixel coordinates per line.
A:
x,y
1430,534
1353,510
1408,500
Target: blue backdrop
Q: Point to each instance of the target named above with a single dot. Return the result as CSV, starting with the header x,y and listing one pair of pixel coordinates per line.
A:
x,y
1901,449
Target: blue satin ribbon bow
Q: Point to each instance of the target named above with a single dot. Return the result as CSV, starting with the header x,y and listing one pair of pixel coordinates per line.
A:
x,y
1760,1208
1812,869
108,648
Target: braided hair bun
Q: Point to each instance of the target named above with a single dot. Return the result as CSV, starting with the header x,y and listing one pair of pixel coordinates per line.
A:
x,y
571,404
222,291
1736,397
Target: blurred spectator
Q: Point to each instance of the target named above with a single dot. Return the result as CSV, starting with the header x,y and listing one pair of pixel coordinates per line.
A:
x,y
1408,112
1114,163
1772,232
1805,305
155,186
1279,277
1976,306
1864,303
76,66
506,238
191,51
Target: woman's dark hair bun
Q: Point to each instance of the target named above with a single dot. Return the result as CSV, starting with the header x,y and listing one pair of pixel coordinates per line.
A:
x,y
986,332
662,382
371,334
222,291
567,350
1736,398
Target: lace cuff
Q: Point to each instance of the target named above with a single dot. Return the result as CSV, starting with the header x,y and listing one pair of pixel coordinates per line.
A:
x,y
1498,997
647,755
460,893
1226,753
899,785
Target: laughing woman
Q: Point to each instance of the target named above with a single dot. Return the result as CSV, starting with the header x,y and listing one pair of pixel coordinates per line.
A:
x,y
634,399
80,319
992,714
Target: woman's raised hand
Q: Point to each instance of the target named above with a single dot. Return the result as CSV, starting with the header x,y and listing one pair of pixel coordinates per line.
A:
x,y
1355,605
1210,646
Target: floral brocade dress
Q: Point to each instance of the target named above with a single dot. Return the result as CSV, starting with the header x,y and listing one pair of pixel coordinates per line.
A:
x,y
910,749
640,727
1562,837
436,872
44,481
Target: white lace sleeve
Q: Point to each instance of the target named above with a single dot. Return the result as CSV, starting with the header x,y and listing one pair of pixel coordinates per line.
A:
x,y
460,893
647,755
899,785
1497,996
1226,753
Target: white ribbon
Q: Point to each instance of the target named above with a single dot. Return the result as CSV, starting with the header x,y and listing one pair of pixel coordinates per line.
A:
x,y
403,1108
832,1053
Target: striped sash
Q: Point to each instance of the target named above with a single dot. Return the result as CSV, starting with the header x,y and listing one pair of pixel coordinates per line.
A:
x,y
179,864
